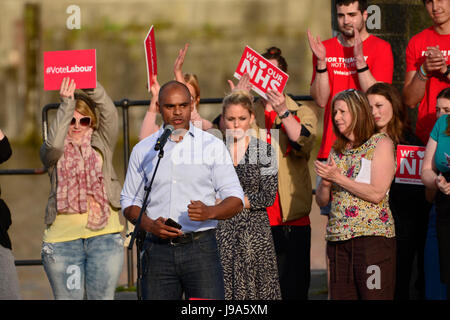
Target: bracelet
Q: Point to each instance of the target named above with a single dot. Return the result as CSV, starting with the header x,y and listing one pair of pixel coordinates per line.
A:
x,y
421,76
362,69
321,70
422,71
285,114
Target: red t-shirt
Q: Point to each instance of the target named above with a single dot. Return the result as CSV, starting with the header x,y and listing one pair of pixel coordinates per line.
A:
x,y
274,211
342,75
417,46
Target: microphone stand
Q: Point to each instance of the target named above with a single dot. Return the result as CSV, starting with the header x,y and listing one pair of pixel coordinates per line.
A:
x,y
139,235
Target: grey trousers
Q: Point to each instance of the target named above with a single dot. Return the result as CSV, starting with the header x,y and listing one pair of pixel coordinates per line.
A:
x,y
9,282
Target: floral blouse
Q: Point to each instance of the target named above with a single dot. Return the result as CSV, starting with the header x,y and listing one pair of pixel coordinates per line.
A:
x,y
351,216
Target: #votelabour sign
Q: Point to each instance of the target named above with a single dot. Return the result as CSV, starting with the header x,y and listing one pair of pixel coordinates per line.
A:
x,y
263,74
80,65
409,164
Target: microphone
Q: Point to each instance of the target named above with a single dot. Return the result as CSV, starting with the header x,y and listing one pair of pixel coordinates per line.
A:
x,y
164,136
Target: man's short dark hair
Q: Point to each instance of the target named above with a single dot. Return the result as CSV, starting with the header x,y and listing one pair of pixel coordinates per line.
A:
x,y
362,4
173,84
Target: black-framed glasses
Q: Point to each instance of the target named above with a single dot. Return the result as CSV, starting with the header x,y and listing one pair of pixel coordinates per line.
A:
x,y
84,122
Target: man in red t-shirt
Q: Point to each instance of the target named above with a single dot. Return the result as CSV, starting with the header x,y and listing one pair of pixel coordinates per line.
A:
x,y
352,60
427,66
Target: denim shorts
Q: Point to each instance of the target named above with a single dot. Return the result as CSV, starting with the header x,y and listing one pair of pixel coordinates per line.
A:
x,y
84,268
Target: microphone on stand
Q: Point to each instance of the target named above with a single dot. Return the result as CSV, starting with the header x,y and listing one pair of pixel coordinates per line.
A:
x,y
168,129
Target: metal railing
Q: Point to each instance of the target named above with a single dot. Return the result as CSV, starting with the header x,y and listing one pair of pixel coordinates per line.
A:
x,y
125,104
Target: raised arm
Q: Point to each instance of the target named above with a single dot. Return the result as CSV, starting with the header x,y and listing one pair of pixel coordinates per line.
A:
x,y
108,124
149,125
366,78
178,66
278,102
53,147
196,119
320,87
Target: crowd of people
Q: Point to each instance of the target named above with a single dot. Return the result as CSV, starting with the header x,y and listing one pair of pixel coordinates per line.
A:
x,y
239,187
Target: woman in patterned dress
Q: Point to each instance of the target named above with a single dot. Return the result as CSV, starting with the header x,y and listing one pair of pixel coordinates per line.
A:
x,y
245,241
360,231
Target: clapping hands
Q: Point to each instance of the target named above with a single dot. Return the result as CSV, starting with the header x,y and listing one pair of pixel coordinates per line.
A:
x,y
434,60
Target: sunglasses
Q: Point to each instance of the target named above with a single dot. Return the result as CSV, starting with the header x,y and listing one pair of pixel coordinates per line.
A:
x,y
84,122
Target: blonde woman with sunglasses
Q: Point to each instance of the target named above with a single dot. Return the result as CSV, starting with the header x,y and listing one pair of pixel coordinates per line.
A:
x,y
82,250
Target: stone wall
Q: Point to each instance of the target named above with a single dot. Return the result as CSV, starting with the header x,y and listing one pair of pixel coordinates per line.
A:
x,y
217,31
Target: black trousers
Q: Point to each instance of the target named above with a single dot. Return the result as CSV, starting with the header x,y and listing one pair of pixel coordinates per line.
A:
x,y
293,249
411,228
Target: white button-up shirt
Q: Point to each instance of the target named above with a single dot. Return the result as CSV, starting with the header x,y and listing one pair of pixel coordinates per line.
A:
x,y
197,168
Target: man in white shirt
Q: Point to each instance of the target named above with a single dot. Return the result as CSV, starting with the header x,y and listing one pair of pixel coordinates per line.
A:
x,y
195,170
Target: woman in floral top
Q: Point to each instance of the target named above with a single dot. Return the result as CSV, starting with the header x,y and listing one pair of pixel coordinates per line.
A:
x,y
360,231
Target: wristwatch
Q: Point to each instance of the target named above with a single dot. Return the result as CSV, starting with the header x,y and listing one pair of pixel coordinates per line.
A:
x,y
446,73
284,115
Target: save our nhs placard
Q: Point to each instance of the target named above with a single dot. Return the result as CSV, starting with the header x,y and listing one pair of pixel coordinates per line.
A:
x,y
409,164
263,74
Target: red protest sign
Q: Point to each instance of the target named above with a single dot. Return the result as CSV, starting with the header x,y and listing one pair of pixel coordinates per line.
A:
x,y
409,164
80,65
263,74
150,56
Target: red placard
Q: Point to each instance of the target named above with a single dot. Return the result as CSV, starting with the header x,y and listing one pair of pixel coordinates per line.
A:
x,y
80,65
150,56
409,164
263,74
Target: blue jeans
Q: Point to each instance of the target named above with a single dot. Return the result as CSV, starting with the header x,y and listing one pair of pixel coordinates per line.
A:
x,y
193,268
84,267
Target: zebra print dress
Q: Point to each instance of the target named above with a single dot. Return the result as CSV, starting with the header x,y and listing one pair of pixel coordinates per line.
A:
x,y
245,241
